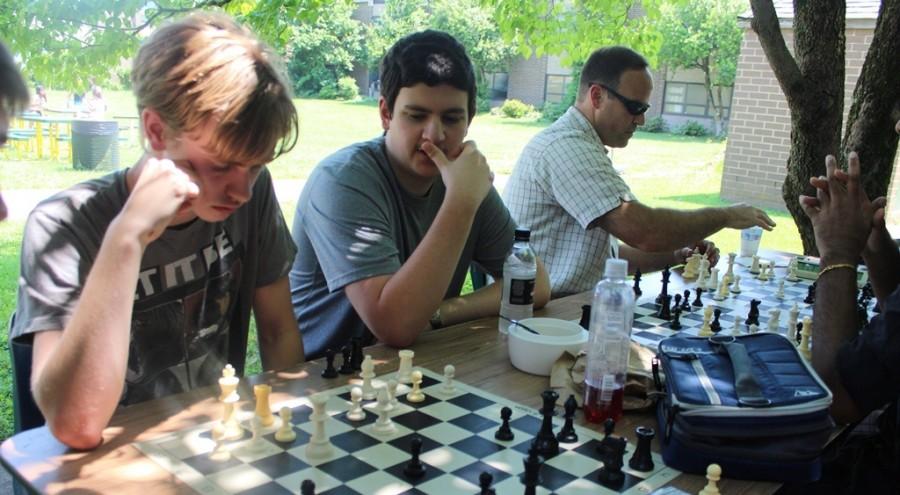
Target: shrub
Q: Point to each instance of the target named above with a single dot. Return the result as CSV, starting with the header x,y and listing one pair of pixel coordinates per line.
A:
x,y
693,128
344,89
515,109
552,111
655,124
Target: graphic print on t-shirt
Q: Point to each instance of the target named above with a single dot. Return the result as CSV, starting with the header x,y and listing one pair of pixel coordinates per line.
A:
x,y
182,315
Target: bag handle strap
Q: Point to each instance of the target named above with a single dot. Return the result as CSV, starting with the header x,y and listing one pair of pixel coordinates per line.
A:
x,y
746,387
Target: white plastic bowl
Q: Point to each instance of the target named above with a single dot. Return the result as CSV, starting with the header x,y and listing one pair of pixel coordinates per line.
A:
x,y
536,354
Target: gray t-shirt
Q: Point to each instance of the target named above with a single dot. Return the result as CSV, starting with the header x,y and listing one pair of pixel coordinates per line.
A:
x,y
194,293
354,222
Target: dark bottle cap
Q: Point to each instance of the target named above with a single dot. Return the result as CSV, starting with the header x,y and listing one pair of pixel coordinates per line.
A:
x,y
523,235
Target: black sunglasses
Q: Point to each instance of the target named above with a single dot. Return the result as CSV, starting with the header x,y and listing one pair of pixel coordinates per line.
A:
x,y
634,107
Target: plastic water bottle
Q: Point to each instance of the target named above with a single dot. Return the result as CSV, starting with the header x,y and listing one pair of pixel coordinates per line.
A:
x,y
519,272
609,343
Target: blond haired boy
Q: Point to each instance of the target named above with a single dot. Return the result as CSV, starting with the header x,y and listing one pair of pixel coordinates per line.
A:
x,y
140,284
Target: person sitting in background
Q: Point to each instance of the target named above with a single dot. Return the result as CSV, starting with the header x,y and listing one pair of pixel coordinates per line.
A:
x,y
39,101
93,106
13,99
862,369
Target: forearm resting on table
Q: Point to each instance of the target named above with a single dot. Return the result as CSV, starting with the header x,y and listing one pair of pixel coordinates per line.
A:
x,y
397,307
78,374
647,262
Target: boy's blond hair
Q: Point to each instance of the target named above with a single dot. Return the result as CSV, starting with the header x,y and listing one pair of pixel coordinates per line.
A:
x,y
207,66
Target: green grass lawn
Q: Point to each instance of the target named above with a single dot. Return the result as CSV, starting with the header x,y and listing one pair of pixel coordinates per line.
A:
x,y
662,170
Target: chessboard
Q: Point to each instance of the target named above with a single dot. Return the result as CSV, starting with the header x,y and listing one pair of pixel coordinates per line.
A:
x,y
458,445
648,329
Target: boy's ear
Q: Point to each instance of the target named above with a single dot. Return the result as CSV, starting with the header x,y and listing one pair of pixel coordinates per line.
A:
x,y
385,113
154,129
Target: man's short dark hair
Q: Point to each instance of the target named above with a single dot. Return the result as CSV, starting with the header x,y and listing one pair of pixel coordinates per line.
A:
x,y
606,66
13,92
430,57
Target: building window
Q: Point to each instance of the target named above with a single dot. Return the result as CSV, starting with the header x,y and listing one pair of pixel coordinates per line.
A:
x,y
498,83
555,87
682,98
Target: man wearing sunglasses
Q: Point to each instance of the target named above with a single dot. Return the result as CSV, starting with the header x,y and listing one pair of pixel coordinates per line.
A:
x,y
564,186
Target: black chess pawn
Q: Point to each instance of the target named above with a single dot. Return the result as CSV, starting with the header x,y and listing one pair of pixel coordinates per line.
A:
x,y
753,315
697,302
675,324
414,468
567,432
609,426
356,355
346,365
504,433
531,478
485,480
686,301
307,487
585,321
329,371
799,336
611,475
677,303
637,283
642,460
546,443
716,326
810,294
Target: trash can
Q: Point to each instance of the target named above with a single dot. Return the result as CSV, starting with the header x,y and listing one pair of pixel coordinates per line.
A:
x,y
95,144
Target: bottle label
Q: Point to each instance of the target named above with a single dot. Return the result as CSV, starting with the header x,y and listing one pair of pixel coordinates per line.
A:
x,y
521,291
607,387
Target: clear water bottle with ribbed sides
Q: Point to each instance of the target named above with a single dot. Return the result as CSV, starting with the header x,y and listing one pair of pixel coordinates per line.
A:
x,y
519,272
612,314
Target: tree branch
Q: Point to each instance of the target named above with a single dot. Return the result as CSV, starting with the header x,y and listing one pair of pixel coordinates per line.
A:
x,y
765,24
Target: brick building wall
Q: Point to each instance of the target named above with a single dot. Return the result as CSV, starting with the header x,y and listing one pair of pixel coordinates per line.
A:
x,y
760,125
526,80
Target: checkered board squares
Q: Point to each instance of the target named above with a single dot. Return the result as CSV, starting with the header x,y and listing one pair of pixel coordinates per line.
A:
x,y
458,444
648,330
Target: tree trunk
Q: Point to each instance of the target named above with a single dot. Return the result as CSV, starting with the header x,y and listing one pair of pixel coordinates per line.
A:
x,y
876,104
707,81
813,83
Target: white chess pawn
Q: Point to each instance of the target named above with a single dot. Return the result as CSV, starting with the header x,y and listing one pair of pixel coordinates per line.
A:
x,y
763,273
779,294
736,329
403,372
384,425
286,432
356,412
416,395
754,264
713,475
256,427
793,314
736,286
774,320
367,373
722,293
772,270
449,373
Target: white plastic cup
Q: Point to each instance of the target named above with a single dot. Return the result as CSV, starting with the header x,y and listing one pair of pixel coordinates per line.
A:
x,y
750,240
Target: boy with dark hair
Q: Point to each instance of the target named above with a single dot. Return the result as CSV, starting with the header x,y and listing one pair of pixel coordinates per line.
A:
x,y
386,229
140,284
13,99
566,189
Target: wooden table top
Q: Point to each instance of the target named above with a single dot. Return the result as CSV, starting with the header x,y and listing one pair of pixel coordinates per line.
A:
x,y
38,459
